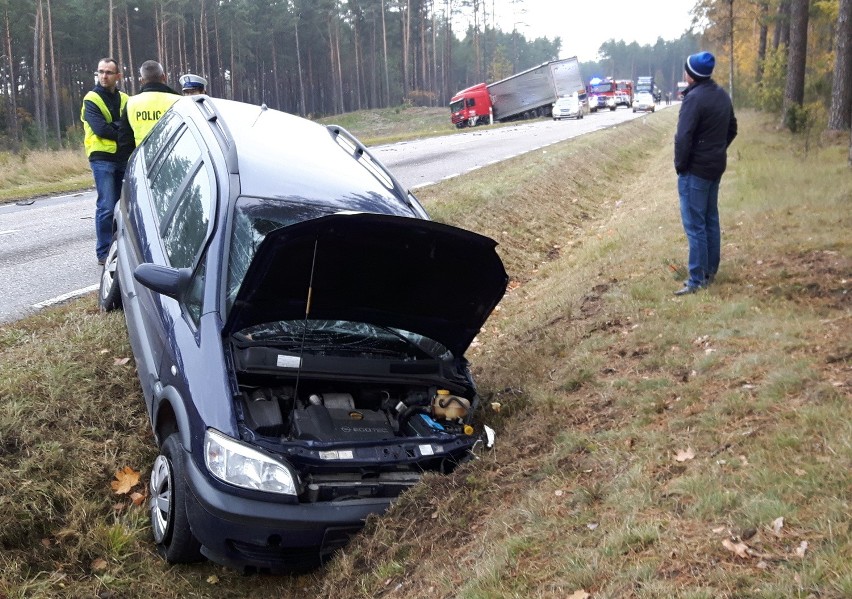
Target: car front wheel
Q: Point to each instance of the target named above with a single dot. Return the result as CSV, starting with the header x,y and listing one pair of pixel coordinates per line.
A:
x,y
109,295
169,522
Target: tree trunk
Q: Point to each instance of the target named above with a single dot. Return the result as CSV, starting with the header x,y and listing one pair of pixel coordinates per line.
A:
x,y
406,47
841,88
761,44
13,87
782,25
730,48
36,76
385,44
111,37
339,67
356,31
54,87
131,72
794,91
299,67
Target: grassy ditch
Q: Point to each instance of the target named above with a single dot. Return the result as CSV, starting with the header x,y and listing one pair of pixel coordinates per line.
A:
x,y
648,446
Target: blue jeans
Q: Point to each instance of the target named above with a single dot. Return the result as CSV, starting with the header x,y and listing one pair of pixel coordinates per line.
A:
x,y
108,179
699,212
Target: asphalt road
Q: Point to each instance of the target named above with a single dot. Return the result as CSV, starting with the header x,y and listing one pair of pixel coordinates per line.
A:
x,y
47,247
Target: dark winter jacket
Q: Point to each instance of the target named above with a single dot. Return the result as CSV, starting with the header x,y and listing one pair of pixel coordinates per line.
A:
x,y
97,122
706,127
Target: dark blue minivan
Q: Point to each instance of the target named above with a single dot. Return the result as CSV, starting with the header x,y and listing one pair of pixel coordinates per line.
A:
x,y
299,327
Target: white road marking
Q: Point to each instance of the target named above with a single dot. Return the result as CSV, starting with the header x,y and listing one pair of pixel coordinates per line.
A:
x,y
65,296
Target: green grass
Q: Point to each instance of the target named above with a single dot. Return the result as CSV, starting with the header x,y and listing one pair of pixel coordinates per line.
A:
x,y
603,378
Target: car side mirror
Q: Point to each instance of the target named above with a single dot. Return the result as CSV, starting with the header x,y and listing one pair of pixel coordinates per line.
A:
x,y
163,279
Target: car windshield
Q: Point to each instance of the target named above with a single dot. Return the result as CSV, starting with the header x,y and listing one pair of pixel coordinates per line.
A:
x,y
601,88
343,338
254,219
457,105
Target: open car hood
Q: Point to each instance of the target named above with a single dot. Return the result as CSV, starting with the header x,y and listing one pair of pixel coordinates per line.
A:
x,y
432,279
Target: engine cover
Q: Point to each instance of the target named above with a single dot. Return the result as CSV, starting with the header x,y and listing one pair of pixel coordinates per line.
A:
x,y
319,423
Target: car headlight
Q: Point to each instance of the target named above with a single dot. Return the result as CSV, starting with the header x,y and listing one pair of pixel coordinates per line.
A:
x,y
238,464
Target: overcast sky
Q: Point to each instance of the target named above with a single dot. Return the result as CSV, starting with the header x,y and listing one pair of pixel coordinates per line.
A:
x,y
584,25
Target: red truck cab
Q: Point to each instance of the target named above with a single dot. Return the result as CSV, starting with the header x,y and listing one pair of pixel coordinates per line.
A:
x,y
471,106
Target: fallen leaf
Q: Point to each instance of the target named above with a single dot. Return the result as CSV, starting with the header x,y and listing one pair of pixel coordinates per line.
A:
x,y
137,498
801,549
121,361
741,549
592,525
684,455
559,492
799,472
213,579
125,480
762,565
99,564
496,405
581,594
719,529
743,460
777,525
46,542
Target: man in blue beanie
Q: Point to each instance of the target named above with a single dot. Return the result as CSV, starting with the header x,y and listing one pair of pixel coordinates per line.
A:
x,y
706,126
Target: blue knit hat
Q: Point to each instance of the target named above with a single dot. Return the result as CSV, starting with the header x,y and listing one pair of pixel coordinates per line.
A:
x,y
700,66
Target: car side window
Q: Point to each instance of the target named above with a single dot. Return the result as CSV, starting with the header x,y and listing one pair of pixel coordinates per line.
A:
x,y
186,231
170,175
160,135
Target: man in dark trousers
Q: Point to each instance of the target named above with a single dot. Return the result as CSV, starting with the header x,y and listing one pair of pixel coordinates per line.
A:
x,y
706,126
101,112
147,107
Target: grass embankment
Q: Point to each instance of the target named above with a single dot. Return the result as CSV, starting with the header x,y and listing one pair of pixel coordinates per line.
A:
x,y
44,172
648,446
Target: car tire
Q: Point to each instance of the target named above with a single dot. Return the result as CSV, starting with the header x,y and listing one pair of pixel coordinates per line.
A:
x,y
167,506
109,294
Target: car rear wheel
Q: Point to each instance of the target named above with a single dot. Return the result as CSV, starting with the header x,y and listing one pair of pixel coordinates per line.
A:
x,y
109,295
169,522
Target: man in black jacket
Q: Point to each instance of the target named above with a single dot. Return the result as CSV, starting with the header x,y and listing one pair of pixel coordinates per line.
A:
x,y
102,109
706,127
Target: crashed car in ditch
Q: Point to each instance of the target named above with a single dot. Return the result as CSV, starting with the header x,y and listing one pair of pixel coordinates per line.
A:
x,y
299,326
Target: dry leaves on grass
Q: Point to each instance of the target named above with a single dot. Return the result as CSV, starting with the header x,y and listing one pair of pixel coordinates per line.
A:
x,y
581,594
740,549
125,480
685,454
99,564
777,525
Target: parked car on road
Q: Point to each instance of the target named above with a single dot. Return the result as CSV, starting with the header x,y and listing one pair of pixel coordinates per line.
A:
x,y
644,101
569,107
299,328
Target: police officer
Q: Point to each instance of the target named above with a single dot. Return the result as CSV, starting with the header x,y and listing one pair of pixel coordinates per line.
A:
x,y
192,85
150,104
103,107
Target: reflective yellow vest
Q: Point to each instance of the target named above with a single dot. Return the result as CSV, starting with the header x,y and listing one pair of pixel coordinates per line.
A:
x,y
92,142
145,109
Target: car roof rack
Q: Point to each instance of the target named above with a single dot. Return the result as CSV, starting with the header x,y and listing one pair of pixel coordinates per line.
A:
x,y
372,164
220,131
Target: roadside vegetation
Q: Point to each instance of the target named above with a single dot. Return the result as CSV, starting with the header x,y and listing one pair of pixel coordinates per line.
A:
x,y
648,446
34,173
